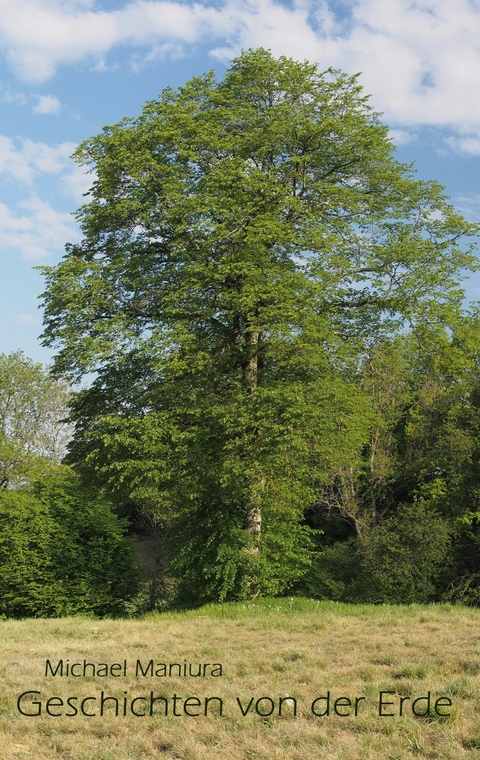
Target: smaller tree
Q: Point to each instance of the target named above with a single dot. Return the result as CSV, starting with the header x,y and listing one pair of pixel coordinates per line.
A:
x,y
33,431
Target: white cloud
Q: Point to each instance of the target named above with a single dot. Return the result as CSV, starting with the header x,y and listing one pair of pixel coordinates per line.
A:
x,y
47,104
25,159
401,136
24,319
101,65
7,96
158,53
469,206
469,143
420,60
39,35
35,229
77,183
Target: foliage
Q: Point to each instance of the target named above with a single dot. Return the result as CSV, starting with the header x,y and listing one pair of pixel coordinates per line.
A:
x,y
33,407
464,584
404,555
334,572
402,560
419,482
246,245
62,551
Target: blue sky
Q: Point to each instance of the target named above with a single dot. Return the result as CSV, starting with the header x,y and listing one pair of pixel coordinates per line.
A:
x,y
68,67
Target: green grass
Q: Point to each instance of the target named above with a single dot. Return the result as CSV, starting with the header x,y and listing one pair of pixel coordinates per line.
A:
x,y
294,650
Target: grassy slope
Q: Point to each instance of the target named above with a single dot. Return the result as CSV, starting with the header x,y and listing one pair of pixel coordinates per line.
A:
x,y
277,648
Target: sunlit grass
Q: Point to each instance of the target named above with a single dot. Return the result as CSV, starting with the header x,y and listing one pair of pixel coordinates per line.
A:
x,y
294,650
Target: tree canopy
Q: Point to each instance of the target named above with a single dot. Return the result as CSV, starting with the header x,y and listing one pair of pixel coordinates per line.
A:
x,y
246,246
33,430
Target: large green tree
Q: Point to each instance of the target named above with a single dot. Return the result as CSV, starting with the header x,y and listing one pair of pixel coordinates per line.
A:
x,y
246,242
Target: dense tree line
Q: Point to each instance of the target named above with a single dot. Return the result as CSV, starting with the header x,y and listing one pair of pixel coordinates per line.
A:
x,y
404,526
285,379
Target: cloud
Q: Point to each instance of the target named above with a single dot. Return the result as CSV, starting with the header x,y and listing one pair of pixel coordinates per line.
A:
x,y
16,98
78,182
35,229
47,104
158,53
420,60
39,35
469,206
24,319
469,144
25,159
401,136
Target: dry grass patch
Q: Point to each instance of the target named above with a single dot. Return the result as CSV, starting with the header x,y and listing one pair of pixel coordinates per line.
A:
x,y
277,656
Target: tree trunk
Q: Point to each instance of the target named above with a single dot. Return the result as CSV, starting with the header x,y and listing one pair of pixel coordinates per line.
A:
x,y
251,367
253,520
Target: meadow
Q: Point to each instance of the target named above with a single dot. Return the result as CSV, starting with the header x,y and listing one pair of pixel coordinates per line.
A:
x,y
293,674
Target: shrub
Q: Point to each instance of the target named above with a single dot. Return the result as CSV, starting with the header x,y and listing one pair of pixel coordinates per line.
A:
x,y
63,551
402,560
404,555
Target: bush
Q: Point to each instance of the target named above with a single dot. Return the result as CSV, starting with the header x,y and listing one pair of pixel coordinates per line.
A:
x,y
63,551
403,560
464,587
333,574
404,556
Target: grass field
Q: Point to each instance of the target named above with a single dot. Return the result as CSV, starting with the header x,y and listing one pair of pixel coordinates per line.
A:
x,y
276,656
